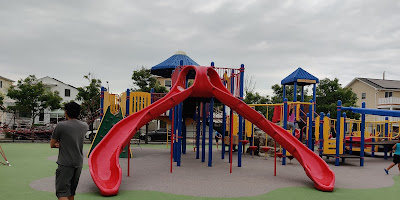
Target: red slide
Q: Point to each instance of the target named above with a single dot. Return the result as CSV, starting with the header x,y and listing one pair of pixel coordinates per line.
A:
x,y
104,160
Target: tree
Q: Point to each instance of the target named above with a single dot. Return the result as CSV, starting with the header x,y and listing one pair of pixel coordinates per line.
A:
x,y
256,98
329,92
1,98
278,93
90,97
145,81
32,97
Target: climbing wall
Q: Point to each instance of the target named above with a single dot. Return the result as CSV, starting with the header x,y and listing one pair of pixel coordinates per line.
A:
x,y
108,121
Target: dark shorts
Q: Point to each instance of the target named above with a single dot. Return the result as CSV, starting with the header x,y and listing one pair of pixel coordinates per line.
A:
x,y
216,138
396,158
67,179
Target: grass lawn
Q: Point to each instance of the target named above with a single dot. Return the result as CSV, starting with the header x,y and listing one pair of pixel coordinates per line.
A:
x,y
30,162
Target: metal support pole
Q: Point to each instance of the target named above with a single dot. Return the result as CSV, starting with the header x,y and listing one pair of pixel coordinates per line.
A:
x,y
203,141
338,115
285,113
210,132
198,131
321,133
362,146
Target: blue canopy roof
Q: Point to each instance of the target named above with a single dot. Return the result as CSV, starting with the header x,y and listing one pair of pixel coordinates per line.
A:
x,y
300,76
166,67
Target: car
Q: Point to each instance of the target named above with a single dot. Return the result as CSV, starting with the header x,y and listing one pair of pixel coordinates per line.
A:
x,y
157,135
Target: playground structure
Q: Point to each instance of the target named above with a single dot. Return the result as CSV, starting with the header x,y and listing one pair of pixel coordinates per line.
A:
x,y
103,161
355,135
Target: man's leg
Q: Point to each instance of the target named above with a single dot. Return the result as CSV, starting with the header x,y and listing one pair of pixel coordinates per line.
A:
x,y
63,184
75,181
390,166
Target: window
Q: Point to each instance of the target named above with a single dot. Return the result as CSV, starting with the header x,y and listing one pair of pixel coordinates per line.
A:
x,y
388,94
67,92
363,95
167,83
41,115
1,84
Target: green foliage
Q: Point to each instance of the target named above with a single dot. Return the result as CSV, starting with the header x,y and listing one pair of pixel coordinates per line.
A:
x,y
143,79
32,97
90,97
256,98
1,98
329,92
278,93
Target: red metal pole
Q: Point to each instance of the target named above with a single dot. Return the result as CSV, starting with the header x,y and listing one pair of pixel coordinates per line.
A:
x,y
172,137
275,160
230,130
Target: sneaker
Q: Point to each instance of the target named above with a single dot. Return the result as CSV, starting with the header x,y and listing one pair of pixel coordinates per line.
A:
x,y
387,172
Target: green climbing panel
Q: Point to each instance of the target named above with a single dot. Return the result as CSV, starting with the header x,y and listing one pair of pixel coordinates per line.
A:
x,y
108,121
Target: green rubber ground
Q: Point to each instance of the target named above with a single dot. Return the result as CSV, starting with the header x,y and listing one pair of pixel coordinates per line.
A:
x,y
30,162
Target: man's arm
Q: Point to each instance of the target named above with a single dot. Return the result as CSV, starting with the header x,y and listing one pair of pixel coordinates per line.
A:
x,y
54,143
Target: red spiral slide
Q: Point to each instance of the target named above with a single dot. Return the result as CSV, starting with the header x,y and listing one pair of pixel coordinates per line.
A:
x,y
104,160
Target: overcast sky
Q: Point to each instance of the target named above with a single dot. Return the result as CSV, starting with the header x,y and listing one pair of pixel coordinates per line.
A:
x,y
68,39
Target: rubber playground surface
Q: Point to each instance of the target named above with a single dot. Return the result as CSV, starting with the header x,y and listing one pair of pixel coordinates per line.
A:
x,y
31,176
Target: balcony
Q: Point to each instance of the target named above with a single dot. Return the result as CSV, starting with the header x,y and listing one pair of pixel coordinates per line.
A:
x,y
393,119
389,101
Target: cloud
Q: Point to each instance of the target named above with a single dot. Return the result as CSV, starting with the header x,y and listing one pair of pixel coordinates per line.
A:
x,y
66,40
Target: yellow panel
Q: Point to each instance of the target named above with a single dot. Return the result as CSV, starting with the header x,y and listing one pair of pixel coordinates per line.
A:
x,y
317,121
235,124
249,128
106,100
122,103
341,135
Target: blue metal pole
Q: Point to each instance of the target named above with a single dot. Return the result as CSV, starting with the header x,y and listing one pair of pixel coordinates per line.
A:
x,y
362,146
284,92
321,133
184,136
210,132
102,102
285,113
152,95
198,131
223,131
310,125
344,132
315,96
386,135
127,103
240,117
373,146
179,146
295,106
203,141
338,115
302,109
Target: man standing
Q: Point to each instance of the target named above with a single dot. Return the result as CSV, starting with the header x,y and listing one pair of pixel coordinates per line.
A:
x,y
68,136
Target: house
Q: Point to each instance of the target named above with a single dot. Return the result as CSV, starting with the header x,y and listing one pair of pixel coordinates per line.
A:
x,y
67,93
377,94
5,83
